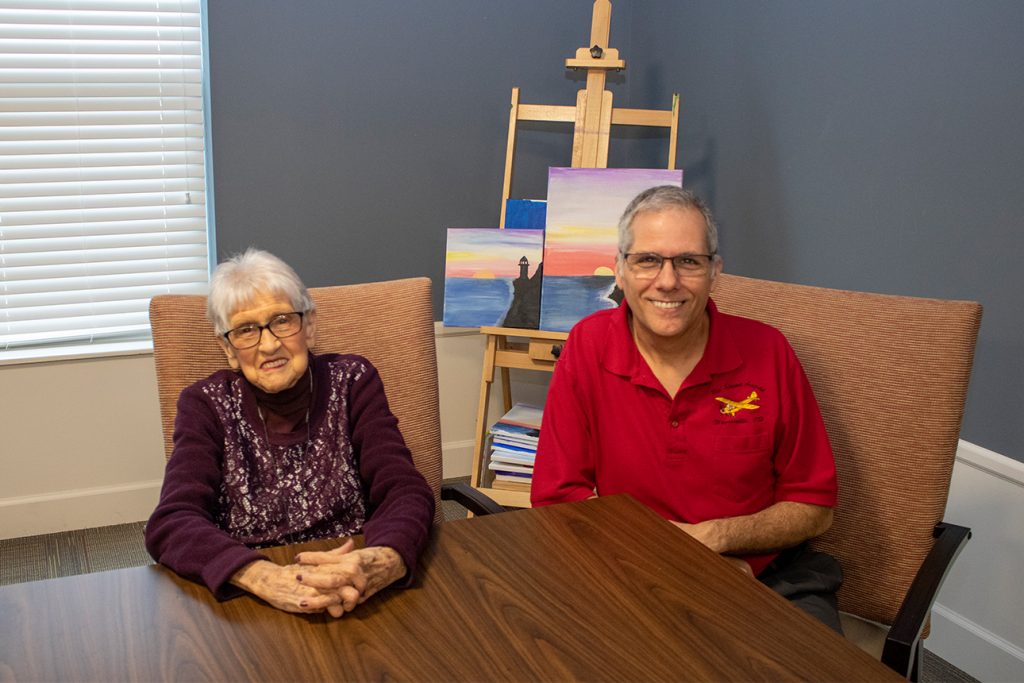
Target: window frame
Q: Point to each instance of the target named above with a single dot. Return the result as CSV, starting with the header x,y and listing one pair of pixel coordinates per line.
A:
x,y
57,351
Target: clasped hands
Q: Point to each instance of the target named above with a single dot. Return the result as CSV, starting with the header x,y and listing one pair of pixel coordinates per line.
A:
x,y
335,581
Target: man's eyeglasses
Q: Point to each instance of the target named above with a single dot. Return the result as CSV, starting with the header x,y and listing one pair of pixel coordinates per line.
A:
x,y
281,326
646,266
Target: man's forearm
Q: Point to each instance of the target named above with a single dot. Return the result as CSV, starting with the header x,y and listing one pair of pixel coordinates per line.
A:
x,y
782,525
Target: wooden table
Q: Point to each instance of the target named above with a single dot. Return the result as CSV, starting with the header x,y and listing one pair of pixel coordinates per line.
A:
x,y
602,590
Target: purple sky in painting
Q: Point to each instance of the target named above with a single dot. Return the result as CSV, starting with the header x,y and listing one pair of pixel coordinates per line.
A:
x,y
584,206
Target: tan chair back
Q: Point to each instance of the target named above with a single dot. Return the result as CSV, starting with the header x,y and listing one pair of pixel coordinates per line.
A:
x,y
890,374
390,323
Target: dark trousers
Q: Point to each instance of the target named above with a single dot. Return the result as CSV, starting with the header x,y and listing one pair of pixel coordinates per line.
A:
x,y
809,579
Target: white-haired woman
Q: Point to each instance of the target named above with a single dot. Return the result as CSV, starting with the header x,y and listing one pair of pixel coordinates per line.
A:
x,y
286,447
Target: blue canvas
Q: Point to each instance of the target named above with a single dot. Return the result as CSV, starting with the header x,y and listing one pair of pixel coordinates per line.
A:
x,y
525,213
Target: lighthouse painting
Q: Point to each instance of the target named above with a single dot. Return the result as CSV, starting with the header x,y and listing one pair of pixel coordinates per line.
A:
x,y
493,277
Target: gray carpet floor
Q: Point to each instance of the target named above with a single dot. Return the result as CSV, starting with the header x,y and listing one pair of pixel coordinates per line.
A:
x,y
51,556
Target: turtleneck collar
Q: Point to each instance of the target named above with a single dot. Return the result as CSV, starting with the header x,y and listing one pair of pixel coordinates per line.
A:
x,y
286,411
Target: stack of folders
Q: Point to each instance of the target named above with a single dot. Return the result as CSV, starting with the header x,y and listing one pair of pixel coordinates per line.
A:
x,y
514,447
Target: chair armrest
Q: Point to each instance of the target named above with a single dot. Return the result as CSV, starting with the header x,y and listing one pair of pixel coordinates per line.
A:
x,y
469,498
900,651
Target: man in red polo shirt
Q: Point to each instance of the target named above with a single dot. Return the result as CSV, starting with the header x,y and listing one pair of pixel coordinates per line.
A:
x,y
705,417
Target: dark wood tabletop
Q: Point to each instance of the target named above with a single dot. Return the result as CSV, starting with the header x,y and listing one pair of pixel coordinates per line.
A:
x,y
602,590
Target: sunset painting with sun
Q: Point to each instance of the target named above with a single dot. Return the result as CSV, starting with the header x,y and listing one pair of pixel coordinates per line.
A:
x,y
581,239
492,274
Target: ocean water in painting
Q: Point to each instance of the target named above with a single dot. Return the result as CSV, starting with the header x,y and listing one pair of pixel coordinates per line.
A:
x,y
480,301
568,298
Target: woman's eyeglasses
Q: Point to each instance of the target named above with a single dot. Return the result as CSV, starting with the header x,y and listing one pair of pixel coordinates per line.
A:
x,y
281,326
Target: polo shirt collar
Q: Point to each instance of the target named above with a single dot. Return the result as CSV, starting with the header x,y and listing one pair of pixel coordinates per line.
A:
x,y
622,357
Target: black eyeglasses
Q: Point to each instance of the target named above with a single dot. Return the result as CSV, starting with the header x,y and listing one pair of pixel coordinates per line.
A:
x,y
646,266
282,326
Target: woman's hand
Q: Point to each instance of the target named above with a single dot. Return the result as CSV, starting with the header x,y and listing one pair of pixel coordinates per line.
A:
x,y
352,575
277,585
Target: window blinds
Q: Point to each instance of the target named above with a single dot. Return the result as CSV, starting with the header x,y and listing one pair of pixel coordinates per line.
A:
x,y
102,187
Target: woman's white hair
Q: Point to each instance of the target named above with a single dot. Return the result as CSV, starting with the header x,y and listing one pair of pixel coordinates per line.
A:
x,y
236,281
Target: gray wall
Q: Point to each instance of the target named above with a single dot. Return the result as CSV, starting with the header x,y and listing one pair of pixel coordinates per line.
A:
x,y
868,145
871,145
348,135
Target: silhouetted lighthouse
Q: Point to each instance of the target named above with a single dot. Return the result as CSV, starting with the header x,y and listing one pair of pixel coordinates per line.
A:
x,y
524,267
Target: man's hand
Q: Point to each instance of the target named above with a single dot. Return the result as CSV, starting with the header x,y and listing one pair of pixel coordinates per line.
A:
x,y
706,532
353,575
739,564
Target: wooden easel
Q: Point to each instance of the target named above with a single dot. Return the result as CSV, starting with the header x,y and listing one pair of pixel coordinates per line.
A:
x,y
593,116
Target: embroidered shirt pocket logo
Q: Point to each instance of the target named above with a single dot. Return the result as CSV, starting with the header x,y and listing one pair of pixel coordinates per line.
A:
x,y
731,407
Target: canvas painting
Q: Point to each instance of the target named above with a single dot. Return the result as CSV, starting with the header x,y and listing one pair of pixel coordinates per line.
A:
x,y
525,213
493,277
581,238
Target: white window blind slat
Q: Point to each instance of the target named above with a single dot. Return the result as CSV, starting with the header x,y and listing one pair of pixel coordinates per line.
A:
x,y
195,208
94,242
98,118
77,284
60,175
102,167
102,91
100,269
115,104
64,162
121,299
191,6
81,16
82,131
160,225
108,189
11,262
97,61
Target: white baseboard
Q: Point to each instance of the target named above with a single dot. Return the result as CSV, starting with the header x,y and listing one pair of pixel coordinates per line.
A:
x,y
77,509
973,649
976,622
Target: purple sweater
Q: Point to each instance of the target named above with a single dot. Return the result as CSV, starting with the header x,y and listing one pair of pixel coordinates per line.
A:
x,y
227,490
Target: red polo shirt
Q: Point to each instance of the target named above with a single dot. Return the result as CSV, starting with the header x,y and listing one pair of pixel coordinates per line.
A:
x,y
743,431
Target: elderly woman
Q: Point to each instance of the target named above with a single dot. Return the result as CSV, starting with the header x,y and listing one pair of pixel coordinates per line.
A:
x,y
285,447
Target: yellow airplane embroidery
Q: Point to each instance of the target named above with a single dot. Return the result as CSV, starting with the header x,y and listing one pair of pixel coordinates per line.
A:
x,y
732,407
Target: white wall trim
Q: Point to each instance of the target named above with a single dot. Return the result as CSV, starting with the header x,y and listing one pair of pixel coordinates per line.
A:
x,y
976,618
77,509
440,331
978,651
1012,471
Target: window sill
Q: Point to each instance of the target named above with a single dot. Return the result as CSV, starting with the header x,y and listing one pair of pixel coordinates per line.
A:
x,y
75,352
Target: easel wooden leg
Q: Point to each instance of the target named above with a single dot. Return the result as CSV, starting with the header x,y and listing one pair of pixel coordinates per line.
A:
x,y
479,441
510,149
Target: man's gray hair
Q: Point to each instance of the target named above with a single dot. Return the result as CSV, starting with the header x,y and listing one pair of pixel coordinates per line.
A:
x,y
236,281
662,198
